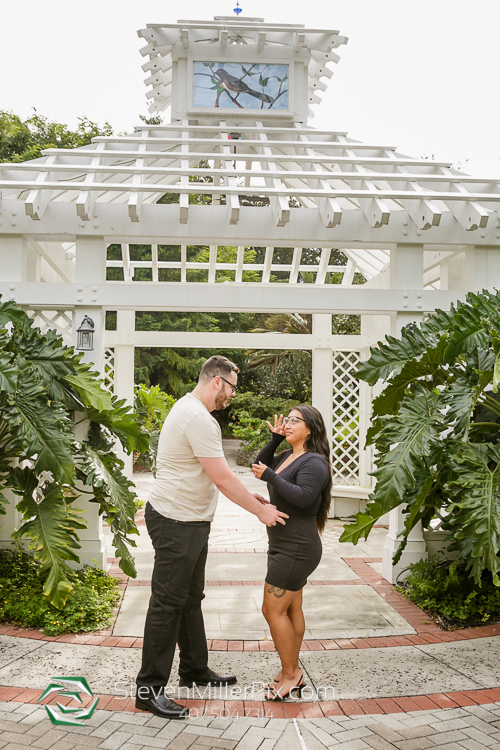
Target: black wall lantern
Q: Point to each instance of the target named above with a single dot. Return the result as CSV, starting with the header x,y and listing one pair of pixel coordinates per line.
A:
x,y
85,341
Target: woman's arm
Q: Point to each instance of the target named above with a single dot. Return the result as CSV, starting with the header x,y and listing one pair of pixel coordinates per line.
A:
x,y
311,478
267,453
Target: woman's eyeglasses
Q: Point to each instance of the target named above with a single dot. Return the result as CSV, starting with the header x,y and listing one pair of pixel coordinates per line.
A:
x,y
233,387
293,420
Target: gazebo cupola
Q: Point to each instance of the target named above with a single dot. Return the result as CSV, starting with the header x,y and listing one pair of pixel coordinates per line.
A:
x,y
237,67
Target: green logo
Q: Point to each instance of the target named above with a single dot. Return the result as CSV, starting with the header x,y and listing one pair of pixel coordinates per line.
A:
x,y
70,687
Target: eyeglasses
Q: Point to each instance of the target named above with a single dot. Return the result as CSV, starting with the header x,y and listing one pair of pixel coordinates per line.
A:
x,y
233,387
292,420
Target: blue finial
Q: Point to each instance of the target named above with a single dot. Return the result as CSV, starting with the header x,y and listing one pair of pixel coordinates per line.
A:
x,y
237,10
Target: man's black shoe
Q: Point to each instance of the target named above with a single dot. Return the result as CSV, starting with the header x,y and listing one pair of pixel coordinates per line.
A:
x,y
159,705
209,677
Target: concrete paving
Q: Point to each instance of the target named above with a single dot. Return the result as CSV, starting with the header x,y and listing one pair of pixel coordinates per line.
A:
x,y
237,547
236,718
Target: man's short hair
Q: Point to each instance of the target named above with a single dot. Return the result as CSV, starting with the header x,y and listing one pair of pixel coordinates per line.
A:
x,y
217,365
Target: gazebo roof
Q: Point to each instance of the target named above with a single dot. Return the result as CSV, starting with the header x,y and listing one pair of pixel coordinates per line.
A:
x,y
363,198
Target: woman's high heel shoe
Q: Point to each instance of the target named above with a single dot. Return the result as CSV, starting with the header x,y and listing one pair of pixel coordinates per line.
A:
x,y
296,689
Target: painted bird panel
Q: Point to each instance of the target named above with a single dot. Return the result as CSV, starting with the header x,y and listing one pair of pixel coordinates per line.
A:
x,y
240,85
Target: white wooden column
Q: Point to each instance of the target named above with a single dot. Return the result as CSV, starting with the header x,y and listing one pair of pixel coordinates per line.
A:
x,y
124,372
90,271
322,369
406,273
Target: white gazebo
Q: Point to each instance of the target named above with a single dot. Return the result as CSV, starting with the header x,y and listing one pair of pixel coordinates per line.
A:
x,y
240,92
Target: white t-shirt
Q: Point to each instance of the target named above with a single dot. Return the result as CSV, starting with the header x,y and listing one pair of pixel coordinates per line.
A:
x,y
182,489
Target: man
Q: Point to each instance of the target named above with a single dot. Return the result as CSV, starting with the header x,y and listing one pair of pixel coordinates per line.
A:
x,y
191,469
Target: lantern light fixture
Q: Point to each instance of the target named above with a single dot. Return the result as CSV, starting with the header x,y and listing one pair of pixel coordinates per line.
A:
x,y
85,340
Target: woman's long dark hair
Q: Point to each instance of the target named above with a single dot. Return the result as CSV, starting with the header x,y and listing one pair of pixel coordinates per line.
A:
x,y
317,442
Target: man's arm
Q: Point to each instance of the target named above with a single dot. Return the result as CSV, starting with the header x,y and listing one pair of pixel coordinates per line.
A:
x,y
230,486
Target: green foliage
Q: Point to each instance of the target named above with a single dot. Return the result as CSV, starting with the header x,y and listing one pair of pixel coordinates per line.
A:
x,y
445,591
152,408
88,606
22,140
42,385
249,415
436,431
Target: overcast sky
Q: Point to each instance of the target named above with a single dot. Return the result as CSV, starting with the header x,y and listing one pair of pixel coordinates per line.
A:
x,y
422,75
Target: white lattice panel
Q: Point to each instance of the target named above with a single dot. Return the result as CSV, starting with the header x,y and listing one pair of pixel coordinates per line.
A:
x,y
109,370
345,443
59,320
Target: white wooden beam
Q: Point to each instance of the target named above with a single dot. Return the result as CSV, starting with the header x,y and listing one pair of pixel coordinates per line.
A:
x,y
470,215
261,40
323,265
302,298
135,200
267,265
348,273
232,200
87,198
294,273
184,197
212,264
279,203
224,34
154,259
38,199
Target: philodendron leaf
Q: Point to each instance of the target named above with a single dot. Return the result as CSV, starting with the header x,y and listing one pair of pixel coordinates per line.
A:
x,y
99,470
88,385
428,367
8,373
44,429
475,517
415,434
469,332
10,313
388,359
50,525
364,523
461,396
123,423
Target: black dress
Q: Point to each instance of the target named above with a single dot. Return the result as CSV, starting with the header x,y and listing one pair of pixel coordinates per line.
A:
x,y
295,549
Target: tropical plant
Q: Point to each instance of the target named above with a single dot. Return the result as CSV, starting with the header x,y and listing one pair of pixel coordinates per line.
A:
x,y
436,429
44,388
152,406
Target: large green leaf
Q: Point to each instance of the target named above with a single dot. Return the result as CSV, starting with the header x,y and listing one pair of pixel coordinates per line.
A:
x,y
88,385
10,313
122,422
475,522
461,396
415,434
364,523
469,332
50,524
99,470
428,367
44,429
8,373
388,359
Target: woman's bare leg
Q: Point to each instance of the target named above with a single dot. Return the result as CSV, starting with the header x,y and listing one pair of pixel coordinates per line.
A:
x,y
296,617
275,609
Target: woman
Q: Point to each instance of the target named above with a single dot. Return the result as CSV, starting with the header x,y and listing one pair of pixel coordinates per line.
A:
x,y
299,483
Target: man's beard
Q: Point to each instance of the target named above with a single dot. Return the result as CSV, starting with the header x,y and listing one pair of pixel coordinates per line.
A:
x,y
221,401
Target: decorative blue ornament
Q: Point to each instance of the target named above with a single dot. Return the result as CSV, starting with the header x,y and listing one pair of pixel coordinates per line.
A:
x,y
237,10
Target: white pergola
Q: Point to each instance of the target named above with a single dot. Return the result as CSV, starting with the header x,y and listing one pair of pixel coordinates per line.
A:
x,y
420,232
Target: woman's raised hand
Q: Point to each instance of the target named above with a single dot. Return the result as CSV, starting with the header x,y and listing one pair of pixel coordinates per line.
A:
x,y
278,425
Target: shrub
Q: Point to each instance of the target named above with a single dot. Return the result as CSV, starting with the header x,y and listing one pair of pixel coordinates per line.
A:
x,y
445,590
88,607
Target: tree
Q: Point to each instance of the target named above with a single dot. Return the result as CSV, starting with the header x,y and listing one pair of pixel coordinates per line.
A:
x,y
22,140
43,386
436,430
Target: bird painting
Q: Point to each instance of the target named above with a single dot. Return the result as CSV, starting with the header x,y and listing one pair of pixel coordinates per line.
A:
x,y
238,86
218,84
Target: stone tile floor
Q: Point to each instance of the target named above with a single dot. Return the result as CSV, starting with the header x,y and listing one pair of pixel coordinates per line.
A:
x,y
471,727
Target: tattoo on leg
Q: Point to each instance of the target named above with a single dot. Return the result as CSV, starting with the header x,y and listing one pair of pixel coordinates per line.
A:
x,y
275,591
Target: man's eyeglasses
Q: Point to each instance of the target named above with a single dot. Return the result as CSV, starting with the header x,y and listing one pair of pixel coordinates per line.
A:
x,y
293,420
233,387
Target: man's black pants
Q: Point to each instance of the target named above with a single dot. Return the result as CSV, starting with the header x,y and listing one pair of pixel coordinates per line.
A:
x,y
174,614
